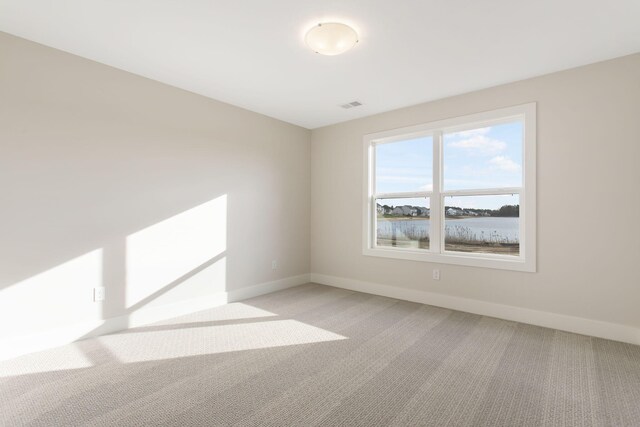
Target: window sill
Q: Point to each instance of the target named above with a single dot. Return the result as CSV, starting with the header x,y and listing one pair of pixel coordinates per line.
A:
x,y
500,262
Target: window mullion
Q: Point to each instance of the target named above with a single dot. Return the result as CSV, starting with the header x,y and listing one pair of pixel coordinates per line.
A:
x,y
435,229
483,192
403,195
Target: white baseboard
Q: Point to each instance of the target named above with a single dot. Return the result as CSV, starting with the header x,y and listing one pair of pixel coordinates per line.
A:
x,y
579,325
16,346
267,287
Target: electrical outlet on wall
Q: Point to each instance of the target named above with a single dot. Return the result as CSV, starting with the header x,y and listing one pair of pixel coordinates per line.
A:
x,y
436,274
98,294
274,264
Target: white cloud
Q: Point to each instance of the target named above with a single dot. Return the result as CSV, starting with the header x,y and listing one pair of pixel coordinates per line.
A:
x,y
480,144
505,164
426,187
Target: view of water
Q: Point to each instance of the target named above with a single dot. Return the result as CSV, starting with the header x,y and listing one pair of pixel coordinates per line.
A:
x,y
500,229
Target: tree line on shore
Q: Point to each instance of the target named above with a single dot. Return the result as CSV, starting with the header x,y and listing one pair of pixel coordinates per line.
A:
x,y
450,211
503,211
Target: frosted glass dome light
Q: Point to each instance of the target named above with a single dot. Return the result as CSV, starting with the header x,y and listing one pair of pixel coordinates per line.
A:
x,y
331,38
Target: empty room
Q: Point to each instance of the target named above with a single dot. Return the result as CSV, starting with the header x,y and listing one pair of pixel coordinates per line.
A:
x,y
319,213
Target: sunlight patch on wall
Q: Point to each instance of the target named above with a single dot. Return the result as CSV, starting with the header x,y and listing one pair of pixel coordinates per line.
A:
x,y
206,287
159,255
175,343
42,301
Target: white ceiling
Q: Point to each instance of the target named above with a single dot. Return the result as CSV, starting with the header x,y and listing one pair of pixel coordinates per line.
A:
x,y
251,53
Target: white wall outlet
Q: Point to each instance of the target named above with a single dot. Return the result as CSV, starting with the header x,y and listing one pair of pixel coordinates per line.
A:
x,y
274,264
436,274
98,294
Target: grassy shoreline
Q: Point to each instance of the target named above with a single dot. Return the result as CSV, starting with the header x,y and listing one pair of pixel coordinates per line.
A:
x,y
455,246
406,233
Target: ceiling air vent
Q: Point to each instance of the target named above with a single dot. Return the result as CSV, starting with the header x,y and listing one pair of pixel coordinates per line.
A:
x,y
351,105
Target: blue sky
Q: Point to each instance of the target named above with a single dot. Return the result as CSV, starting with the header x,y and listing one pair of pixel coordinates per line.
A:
x,y
487,157
404,166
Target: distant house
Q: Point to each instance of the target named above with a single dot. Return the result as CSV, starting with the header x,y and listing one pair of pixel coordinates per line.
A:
x,y
397,211
405,210
409,210
423,211
383,209
454,212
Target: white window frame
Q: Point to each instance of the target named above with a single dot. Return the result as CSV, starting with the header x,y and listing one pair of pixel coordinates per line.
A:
x,y
525,261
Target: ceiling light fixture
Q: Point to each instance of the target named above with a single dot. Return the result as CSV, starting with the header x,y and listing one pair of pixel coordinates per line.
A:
x,y
331,38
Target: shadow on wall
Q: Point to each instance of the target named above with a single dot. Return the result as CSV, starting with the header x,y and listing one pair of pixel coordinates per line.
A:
x,y
176,260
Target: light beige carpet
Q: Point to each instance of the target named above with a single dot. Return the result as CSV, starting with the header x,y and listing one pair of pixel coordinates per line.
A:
x,y
316,355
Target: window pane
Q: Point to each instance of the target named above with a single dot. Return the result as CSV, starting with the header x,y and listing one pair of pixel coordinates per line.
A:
x,y
403,223
488,157
404,165
483,224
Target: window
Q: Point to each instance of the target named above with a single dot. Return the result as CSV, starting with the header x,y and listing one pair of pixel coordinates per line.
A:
x,y
457,191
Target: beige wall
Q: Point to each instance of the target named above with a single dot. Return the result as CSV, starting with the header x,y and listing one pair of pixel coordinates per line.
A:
x,y
588,214
90,156
104,173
